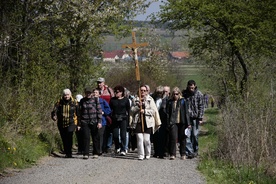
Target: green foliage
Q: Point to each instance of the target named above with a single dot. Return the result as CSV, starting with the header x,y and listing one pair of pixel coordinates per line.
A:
x,y
20,152
213,167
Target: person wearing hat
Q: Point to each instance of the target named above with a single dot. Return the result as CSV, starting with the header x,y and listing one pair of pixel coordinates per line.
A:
x,y
65,113
90,121
106,93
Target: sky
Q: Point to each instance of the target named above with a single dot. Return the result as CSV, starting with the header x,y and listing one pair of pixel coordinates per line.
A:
x,y
154,7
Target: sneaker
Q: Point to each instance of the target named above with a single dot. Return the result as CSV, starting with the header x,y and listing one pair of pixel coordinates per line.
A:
x,y
140,158
172,157
147,157
85,156
95,156
183,157
117,151
123,153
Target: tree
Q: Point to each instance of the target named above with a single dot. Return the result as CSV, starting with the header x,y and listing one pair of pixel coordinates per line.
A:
x,y
229,35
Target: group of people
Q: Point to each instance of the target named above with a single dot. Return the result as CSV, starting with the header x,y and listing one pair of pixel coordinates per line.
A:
x,y
167,118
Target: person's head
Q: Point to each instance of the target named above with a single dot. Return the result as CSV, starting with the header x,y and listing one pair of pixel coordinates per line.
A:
x,y
96,92
119,91
66,94
191,85
144,91
127,93
100,82
88,92
148,88
79,97
176,93
159,91
166,90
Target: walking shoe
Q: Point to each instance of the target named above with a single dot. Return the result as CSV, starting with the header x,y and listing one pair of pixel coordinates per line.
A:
x,y
147,157
183,157
85,156
68,156
123,153
172,157
95,156
140,158
117,151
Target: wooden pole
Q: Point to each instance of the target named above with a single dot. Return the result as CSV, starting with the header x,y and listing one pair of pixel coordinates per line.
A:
x,y
134,47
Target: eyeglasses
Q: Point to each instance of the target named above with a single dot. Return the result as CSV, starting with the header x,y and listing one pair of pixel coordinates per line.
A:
x,y
176,94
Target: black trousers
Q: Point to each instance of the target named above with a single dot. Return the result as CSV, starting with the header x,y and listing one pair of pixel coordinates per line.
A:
x,y
67,139
159,141
176,134
120,126
79,135
93,131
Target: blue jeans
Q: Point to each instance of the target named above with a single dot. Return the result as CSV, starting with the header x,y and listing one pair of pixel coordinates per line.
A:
x,y
192,141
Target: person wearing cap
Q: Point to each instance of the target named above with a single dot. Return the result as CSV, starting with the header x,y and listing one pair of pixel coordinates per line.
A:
x,y
106,93
90,121
65,112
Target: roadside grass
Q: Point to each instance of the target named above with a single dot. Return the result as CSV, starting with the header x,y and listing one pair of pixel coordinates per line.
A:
x,y
217,170
20,152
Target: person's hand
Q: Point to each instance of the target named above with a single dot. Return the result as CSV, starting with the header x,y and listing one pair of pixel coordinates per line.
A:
x,y
54,118
200,122
142,111
78,128
99,125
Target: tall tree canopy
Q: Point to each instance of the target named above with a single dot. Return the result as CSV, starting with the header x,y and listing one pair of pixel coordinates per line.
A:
x,y
233,36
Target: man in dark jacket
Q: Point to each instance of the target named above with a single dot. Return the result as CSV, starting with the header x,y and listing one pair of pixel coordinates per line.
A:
x,y
196,112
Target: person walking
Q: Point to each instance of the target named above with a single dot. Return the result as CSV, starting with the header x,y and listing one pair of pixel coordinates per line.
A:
x,y
106,93
196,112
79,133
65,112
178,120
120,107
106,111
90,121
159,138
145,121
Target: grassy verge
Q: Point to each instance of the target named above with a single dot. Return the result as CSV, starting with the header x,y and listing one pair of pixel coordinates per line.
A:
x,y
21,152
217,170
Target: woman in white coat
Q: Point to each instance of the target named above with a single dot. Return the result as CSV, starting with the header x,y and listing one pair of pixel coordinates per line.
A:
x,y
150,122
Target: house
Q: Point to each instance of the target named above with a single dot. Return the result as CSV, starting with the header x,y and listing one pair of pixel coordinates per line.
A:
x,y
178,56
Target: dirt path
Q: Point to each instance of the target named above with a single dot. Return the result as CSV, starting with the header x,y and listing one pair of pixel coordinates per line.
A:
x,y
108,169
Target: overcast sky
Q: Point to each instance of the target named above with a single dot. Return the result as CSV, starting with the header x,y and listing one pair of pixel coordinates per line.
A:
x,y
154,7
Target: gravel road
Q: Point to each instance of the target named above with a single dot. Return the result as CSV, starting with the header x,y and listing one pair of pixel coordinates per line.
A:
x,y
106,169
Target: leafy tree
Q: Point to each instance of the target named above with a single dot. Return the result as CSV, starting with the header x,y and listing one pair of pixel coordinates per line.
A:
x,y
229,35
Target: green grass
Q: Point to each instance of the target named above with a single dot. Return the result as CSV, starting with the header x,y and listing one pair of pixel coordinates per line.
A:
x,y
21,152
218,171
